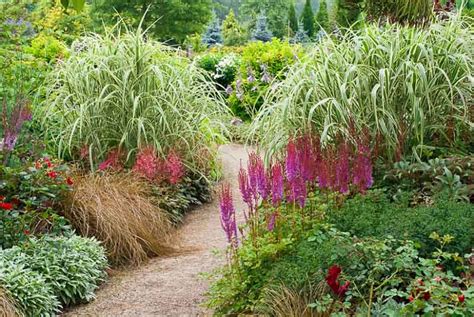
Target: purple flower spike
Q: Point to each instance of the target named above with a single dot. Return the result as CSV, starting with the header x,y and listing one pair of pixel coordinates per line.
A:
x,y
272,221
291,161
277,184
228,221
363,168
229,90
244,187
297,192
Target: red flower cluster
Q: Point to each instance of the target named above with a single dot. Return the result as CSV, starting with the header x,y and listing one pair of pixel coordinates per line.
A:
x,y
332,280
4,205
149,165
113,161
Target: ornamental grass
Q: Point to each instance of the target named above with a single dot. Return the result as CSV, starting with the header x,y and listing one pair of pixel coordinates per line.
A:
x,y
119,210
7,306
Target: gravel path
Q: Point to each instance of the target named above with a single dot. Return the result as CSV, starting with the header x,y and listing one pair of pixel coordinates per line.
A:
x,y
173,286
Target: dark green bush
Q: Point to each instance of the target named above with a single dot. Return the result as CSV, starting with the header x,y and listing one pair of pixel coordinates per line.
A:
x,y
375,215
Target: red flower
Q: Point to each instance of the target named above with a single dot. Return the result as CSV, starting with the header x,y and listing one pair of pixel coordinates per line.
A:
x,y
6,206
2,197
332,280
69,181
52,174
427,296
411,298
26,232
461,298
175,167
15,201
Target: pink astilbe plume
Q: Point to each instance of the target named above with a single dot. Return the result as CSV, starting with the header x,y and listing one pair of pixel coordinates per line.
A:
x,y
291,162
297,192
343,168
263,187
277,184
253,173
306,158
227,211
113,161
245,190
272,221
175,167
147,163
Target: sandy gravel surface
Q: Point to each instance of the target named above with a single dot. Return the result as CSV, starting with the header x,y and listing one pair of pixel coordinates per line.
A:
x,y
173,286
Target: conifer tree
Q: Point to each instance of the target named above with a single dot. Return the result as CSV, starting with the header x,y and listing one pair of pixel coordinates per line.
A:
x,y
322,18
232,31
292,19
262,33
301,36
308,18
213,34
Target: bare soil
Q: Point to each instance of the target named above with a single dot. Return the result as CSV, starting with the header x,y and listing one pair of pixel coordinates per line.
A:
x,y
173,285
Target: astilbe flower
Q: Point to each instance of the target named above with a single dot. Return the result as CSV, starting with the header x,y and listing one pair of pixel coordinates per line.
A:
x,y
112,161
343,168
277,184
174,166
227,211
297,192
147,163
362,172
253,172
272,221
263,187
245,190
291,162
306,158
332,281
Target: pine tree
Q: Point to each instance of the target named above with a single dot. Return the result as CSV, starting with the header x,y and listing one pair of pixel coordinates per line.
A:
x,y
213,34
308,18
301,36
262,33
292,19
233,33
322,18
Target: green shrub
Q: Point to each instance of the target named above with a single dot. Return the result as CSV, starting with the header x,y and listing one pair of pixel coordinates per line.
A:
x,y
410,87
47,47
376,216
125,92
403,11
42,273
26,287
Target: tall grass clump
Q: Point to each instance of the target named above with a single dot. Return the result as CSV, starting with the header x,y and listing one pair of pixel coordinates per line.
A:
x,y
411,88
118,210
124,91
7,306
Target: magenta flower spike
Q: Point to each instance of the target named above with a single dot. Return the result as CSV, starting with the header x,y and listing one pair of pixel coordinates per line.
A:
x,y
291,161
277,184
244,187
272,221
252,167
297,192
227,210
362,177
342,168
306,158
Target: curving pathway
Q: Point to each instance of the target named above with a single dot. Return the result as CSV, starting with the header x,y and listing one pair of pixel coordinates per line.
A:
x,y
173,286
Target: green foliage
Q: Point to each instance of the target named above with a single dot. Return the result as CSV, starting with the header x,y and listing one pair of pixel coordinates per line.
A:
x,y
78,5
127,92
375,215
308,19
276,12
292,19
322,18
35,192
169,21
26,287
213,35
42,274
409,87
348,11
405,11
47,48
261,32
234,34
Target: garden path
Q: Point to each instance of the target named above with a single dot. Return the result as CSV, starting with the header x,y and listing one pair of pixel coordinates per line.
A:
x,y
173,286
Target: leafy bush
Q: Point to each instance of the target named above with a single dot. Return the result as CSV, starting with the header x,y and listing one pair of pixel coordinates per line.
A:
x,y
376,216
28,289
31,197
47,47
406,11
72,266
124,92
261,63
410,87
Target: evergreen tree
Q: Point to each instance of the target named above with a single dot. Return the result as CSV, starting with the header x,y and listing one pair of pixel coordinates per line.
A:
x,y
301,36
322,18
233,33
308,18
213,33
348,12
262,33
276,12
292,19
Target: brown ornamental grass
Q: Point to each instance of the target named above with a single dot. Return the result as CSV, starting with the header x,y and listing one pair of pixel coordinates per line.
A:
x,y
7,306
119,210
